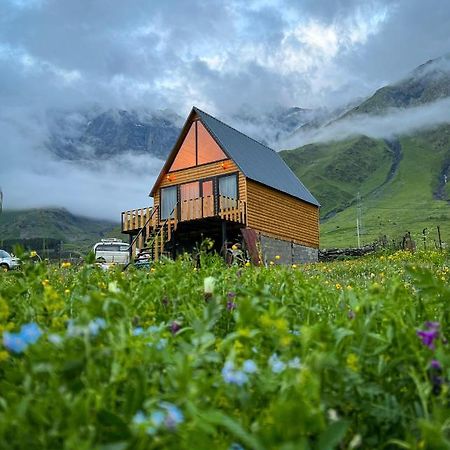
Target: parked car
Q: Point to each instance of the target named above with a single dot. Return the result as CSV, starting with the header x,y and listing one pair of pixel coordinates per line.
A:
x,y
112,251
8,262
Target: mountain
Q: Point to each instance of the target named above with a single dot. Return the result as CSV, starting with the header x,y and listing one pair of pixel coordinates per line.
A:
x,y
426,84
77,233
100,135
402,181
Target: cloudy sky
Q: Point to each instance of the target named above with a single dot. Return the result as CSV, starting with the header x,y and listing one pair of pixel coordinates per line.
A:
x,y
219,55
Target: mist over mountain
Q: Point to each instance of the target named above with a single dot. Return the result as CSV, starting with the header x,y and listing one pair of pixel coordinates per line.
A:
x,y
93,135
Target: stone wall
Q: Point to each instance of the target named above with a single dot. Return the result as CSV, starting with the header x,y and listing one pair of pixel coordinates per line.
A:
x,y
289,252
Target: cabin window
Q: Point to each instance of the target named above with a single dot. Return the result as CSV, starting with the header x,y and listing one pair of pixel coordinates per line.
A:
x,y
228,186
187,154
190,191
207,148
198,147
168,201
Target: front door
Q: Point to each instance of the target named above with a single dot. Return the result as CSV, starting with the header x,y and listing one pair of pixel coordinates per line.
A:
x,y
191,203
208,198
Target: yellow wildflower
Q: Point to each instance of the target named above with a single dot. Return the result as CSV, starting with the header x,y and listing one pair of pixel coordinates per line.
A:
x,y
46,282
234,247
247,264
4,355
338,286
352,362
67,291
33,253
277,257
294,266
66,264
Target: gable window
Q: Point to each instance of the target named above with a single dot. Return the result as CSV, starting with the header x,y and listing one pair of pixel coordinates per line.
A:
x,y
168,202
228,186
198,147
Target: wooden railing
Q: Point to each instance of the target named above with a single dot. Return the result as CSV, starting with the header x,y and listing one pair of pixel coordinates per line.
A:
x,y
232,209
226,208
135,219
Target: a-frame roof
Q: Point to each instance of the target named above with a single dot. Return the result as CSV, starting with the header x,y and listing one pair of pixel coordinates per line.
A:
x,y
256,161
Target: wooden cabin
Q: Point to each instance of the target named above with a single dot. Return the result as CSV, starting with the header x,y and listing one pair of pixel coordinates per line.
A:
x,y
219,183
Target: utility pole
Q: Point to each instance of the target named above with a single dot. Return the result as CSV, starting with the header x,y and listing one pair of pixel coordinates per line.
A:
x,y
358,219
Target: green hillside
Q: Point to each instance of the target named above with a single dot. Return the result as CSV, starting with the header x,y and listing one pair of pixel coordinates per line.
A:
x,y
401,184
77,233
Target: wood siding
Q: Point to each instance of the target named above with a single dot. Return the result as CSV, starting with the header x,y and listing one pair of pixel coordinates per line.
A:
x,y
280,215
200,173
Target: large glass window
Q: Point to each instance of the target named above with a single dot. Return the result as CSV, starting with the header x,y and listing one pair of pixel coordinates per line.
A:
x,y
168,201
207,148
186,156
190,191
228,186
198,147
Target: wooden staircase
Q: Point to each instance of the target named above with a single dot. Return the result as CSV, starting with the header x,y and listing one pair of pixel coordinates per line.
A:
x,y
156,242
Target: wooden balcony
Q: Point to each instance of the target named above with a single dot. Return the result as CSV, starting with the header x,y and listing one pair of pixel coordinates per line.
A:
x,y
229,209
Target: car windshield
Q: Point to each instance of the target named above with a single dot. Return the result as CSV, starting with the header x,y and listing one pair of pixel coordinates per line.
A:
x,y
3,254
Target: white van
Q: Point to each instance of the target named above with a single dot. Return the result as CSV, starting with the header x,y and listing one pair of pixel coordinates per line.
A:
x,y
112,251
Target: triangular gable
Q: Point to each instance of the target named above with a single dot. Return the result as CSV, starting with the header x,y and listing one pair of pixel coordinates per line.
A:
x,y
195,146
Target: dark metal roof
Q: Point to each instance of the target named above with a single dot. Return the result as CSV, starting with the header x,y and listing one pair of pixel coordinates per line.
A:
x,y
255,160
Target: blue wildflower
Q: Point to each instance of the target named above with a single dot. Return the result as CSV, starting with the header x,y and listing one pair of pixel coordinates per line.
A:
x,y
174,415
249,366
276,364
236,446
294,363
139,418
30,332
55,339
157,418
232,376
138,331
14,342
96,325
18,342
161,344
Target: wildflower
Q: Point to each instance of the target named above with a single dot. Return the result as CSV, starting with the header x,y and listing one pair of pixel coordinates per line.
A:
x,y
112,287
332,415
45,282
232,376
355,442
138,331
249,366
96,325
66,264
139,418
294,266
30,333
234,247
67,291
55,339
231,305
175,327
352,362
294,363
248,264
208,284
435,374
18,342
161,344
429,335
271,263
14,342
236,446
174,416
3,355
277,257
338,286
276,364
33,253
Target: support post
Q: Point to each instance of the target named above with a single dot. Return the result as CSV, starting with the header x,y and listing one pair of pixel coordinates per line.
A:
x,y
224,236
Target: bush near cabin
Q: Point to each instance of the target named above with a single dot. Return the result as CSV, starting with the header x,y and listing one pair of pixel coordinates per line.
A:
x,y
350,354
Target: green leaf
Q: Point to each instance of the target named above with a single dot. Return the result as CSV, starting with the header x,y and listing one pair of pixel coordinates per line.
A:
x,y
333,435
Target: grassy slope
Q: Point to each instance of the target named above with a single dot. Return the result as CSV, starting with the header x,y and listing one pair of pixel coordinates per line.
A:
x,y
75,231
336,171
404,204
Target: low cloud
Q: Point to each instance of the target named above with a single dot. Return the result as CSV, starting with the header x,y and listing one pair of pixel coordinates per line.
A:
x,y
395,122
31,177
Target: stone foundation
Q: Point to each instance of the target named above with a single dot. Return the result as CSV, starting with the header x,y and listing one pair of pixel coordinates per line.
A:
x,y
289,252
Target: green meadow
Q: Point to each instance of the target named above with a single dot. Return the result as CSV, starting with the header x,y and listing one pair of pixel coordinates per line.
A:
x,y
349,354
